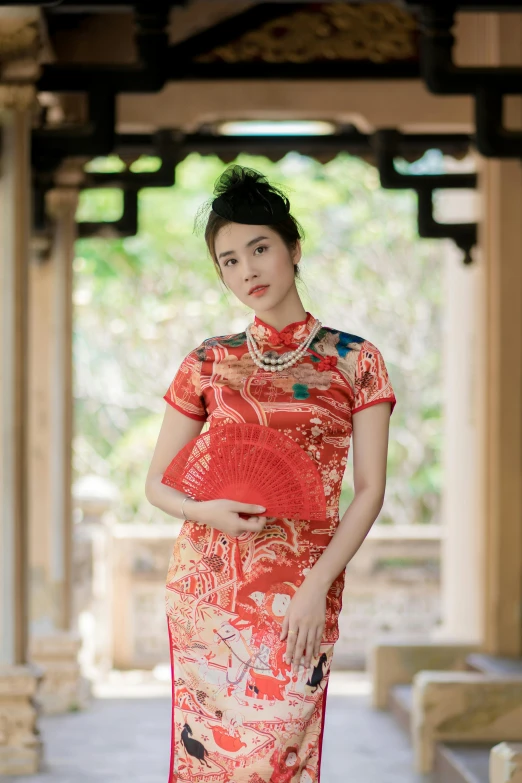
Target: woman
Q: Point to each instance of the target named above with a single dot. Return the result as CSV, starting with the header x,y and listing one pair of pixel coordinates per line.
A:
x,y
253,602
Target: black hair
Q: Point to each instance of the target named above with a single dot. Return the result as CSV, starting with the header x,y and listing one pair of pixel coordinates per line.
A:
x,y
244,195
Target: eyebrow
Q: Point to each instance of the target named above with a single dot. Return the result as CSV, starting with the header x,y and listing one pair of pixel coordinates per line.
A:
x,y
248,244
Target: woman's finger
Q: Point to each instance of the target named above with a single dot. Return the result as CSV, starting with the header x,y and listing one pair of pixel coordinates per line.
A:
x,y
318,640
310,640
257,520
299,647
291,640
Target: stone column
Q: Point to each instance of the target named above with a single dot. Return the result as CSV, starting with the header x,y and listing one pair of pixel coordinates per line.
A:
x,y
482,500
501,339
54,643
95,499
20,747
462,572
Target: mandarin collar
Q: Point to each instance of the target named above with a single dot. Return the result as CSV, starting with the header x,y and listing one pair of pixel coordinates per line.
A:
x,y
296,331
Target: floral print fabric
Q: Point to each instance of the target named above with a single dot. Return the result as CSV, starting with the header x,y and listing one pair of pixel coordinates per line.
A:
x,y
239,712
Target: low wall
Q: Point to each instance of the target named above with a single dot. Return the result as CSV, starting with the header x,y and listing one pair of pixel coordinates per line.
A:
x,y
392,586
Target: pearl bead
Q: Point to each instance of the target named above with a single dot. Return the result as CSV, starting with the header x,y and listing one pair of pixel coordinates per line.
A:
x,y
292,357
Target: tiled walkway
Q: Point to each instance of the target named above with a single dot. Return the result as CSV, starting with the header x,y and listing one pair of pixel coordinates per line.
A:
x,y
118,740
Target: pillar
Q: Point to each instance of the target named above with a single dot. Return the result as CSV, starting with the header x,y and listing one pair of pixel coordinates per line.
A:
x,y
54,643
462,572
481,598
20,746
501,338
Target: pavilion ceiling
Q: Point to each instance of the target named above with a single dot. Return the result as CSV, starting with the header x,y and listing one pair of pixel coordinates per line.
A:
x,y
97,51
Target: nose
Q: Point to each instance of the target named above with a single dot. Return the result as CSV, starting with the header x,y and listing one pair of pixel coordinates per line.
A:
x,y
249,273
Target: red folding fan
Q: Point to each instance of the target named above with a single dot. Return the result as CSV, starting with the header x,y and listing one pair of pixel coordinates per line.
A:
x,y
252,464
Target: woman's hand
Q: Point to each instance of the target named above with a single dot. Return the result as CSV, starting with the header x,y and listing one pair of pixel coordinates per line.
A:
x,y
306,615
223,515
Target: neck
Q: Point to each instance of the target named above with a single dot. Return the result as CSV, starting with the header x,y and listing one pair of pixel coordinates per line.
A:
x,y
282,315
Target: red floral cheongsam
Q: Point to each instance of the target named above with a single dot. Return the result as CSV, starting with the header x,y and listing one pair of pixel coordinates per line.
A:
x,y
239,713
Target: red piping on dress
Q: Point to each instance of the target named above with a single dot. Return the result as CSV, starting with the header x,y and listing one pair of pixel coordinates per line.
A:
x,y
322,732
171,779
376,402
178,408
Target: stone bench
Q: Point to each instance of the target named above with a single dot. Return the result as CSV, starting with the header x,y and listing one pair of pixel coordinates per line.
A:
x,y
462,707
396,663
505,763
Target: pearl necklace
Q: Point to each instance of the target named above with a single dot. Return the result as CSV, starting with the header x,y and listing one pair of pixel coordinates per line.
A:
x,y
281,363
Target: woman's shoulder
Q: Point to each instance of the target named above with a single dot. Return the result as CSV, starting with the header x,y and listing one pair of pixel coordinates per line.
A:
x,y
231,340
339,338
342,340
355,353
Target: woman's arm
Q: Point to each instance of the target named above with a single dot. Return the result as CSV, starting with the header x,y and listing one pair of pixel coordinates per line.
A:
x,y
306,614
176,431
370,451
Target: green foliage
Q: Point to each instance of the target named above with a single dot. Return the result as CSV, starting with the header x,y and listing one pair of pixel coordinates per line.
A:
x,y
108,164
143,302
100,204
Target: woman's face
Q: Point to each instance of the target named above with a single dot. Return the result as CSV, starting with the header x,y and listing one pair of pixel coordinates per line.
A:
x,y
251,255
291,759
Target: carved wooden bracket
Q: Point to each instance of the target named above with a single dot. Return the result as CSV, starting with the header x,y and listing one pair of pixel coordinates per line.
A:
x,y
488,85
387,143
125,226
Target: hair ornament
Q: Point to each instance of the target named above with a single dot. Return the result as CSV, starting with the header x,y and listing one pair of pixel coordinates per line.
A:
x,y
244,195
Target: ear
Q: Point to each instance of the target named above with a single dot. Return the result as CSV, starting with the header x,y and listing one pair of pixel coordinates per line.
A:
x,y
296,255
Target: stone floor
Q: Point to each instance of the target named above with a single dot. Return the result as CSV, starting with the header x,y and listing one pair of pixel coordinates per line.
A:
x,y
125,736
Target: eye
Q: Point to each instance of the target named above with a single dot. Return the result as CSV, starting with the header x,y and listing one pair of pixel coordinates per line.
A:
x,y
259,247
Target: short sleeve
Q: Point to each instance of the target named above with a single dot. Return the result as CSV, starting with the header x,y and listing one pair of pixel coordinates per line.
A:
x,y
184,392
372,383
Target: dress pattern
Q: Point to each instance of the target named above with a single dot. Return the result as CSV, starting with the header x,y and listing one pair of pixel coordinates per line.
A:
x,y
239,712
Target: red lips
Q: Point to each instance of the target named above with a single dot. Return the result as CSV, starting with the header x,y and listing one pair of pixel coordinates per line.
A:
x,y
256,287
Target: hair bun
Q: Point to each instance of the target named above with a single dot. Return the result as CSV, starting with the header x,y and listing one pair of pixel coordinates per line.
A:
x,y
244,195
